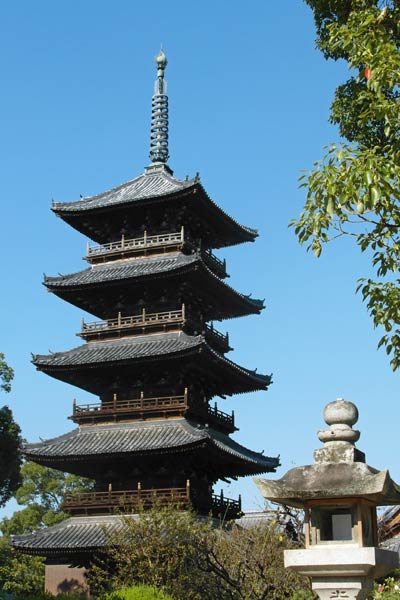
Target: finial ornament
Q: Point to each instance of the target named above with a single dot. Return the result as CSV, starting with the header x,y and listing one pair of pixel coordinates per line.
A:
x,y
159,114
340,415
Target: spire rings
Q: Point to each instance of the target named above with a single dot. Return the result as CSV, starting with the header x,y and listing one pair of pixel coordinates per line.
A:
x,y
159,128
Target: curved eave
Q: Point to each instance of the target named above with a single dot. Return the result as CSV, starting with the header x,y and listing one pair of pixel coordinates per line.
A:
x,y
143,270
136,440
72,536
312,482
134,351
191,190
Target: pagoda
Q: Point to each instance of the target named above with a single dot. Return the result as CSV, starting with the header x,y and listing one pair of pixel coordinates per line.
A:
x,y
152,357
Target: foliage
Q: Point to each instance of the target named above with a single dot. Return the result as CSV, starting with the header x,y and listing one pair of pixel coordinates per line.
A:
x,y
20,574
389,589
354,190
139,592
6,374
41,491
190,559
44,596
10,455
10,440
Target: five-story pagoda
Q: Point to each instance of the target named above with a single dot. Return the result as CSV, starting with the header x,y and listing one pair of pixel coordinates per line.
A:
x,y
152,357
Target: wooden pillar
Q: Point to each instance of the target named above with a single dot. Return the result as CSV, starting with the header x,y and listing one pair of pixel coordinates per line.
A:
x,y
307,526
359,523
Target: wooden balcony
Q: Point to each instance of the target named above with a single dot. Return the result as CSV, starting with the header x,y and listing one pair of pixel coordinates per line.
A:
x,y
139,323
147,408
226,508
131,500
216,265
221,418
125,248
216,339
152,244
128,500
163,406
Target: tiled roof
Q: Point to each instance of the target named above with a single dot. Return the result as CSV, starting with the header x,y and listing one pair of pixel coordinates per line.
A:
x,y
172,264
123,269
142,437
147,185
145,346
82,533
153,183
87,533
121,350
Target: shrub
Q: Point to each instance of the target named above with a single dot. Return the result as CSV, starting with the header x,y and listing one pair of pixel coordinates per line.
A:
x,y
43,596
191,560
140,592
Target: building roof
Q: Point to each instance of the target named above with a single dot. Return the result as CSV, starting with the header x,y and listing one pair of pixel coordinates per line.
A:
x,y
113,351
84,534
150,184
138,438
115,277
122,269
155,186
88,365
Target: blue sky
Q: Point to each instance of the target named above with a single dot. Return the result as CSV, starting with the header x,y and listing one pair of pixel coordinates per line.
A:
x,y
249,105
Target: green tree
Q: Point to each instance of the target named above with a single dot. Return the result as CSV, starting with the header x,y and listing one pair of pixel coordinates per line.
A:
x,y
10,440
355,189
6,374
41,494
190,559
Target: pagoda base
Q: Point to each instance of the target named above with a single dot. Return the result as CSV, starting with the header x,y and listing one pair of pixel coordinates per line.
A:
x,y
64,579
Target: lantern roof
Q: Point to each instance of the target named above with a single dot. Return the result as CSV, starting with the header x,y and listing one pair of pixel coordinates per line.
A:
x,y
339,470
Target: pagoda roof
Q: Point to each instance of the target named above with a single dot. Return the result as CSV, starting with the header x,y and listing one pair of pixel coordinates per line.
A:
x,y
89,443
122,269
141,271
147,185
156,185
84,534
129,351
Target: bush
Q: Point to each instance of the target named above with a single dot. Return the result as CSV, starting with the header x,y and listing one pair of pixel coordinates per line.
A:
x,y
191,560
140,592
389,589
42,596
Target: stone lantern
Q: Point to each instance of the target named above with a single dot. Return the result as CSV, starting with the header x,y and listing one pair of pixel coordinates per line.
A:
x,y
339,494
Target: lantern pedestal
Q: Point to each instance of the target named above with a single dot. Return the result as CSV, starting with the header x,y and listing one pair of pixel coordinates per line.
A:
x,y
342,570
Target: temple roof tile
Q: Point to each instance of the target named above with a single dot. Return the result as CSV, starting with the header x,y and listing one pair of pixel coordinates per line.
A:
x,y
171,436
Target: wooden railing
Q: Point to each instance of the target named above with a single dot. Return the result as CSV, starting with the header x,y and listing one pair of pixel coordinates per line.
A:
x,y
164,404
110,500
221,417
133,245
143,319
220,338
127,499
226,508
217,265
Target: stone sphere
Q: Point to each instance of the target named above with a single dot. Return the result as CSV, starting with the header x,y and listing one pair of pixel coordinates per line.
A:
x,y
161,59
341,411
